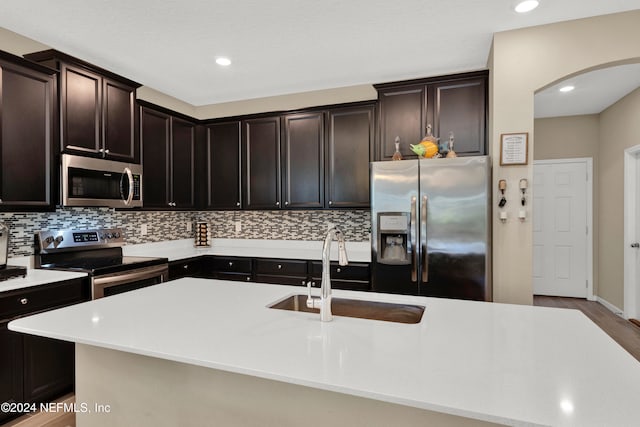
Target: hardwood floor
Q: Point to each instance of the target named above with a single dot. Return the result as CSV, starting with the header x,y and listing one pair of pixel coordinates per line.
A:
x,y
622,331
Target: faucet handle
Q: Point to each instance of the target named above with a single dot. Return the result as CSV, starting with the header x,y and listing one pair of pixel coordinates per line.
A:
x,y
310,302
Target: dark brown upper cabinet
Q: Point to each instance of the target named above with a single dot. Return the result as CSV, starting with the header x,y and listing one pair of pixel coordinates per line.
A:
x,y
28,137
261,166
456,103
168,156
223,177
303,160
97,109
350,137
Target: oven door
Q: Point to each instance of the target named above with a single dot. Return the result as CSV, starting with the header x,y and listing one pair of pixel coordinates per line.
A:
x,y
112,284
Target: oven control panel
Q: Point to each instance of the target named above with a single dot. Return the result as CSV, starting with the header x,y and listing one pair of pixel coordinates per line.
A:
x,y
48,241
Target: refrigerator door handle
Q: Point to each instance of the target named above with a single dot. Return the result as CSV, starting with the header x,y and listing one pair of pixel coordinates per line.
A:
x,y
414,247
423,240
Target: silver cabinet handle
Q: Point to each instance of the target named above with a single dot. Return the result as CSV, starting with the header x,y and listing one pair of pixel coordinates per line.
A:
x,y
24,301
423,240
414,232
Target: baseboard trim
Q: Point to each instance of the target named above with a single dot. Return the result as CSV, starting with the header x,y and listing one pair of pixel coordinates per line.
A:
x,y
615,310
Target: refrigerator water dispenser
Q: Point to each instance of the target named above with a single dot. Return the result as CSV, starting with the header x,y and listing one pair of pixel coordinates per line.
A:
x,y
394,238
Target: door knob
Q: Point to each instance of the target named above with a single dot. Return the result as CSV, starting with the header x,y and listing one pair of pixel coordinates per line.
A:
x,y
635,245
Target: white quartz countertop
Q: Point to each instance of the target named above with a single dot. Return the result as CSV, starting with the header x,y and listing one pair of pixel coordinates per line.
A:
x,y
35,277
286,249
518,365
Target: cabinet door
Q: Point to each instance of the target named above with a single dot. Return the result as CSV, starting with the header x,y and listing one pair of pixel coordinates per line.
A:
x,y
118,118
48,368
80,98
155,135
182,163
10,369
27,120
261,153
223,165
303,161
403,115
350,142
459,106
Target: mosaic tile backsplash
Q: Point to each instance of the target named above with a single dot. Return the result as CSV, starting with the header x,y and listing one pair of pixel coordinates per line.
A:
x,y
280,225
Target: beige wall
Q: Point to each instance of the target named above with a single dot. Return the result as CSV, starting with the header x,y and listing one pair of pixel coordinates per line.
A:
x,y
522,62
566,137
619,129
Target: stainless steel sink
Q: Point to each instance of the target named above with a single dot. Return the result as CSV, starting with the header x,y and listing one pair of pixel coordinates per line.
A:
x,y
375,310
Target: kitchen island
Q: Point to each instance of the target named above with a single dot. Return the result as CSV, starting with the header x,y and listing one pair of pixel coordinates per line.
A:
x,y
209,352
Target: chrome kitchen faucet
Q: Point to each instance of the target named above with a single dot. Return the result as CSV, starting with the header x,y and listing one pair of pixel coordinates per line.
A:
x,y
324,302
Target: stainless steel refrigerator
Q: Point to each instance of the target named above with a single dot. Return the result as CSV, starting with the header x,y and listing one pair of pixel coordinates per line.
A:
x,y
430,227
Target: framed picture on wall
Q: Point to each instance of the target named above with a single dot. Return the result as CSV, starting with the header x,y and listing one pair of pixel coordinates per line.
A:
x,y
514,148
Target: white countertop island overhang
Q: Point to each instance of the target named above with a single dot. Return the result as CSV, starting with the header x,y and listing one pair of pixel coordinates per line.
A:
x,y
515,365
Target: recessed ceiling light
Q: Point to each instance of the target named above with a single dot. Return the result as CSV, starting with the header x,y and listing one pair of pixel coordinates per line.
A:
x,y
223,61
526,6
567,88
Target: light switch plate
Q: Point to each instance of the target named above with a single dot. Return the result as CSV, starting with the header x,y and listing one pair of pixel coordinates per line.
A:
x,y
143,230
238,226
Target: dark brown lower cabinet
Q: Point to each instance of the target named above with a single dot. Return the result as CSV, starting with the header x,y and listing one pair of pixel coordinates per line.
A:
x,y
10,369
281,271
35,369
228,268
48,367
192,267
354,276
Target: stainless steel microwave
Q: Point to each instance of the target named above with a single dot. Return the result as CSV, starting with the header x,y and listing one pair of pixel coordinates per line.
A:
x,y
87,181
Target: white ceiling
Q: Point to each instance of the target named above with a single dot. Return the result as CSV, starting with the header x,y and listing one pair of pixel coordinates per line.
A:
x,y
594,92
280,46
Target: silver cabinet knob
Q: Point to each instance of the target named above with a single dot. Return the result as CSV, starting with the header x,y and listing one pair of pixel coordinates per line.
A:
x,y
230,264
24,301
0,200
186,266
279,266
338,270
248,279
277,203
106,151
286,203
238,204
330,202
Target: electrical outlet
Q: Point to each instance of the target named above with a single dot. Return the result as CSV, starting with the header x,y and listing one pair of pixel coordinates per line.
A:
x,y
143,230
238,226
189,225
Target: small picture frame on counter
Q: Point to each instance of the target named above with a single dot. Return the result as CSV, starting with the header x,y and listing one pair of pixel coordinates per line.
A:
x,y
514,148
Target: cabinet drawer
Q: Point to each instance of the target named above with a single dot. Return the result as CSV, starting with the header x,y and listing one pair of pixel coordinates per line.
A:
x,y
281,267
38,298
185,268
281,280
237,277
351,271
230,264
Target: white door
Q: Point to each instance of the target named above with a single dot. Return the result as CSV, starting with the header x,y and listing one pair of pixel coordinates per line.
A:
x,y
561,227
632,233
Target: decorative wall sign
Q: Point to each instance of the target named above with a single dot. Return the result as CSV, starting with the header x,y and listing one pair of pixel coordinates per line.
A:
x,y
514,148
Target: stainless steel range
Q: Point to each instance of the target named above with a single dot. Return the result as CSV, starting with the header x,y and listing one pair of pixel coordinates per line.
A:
x,y
98,252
